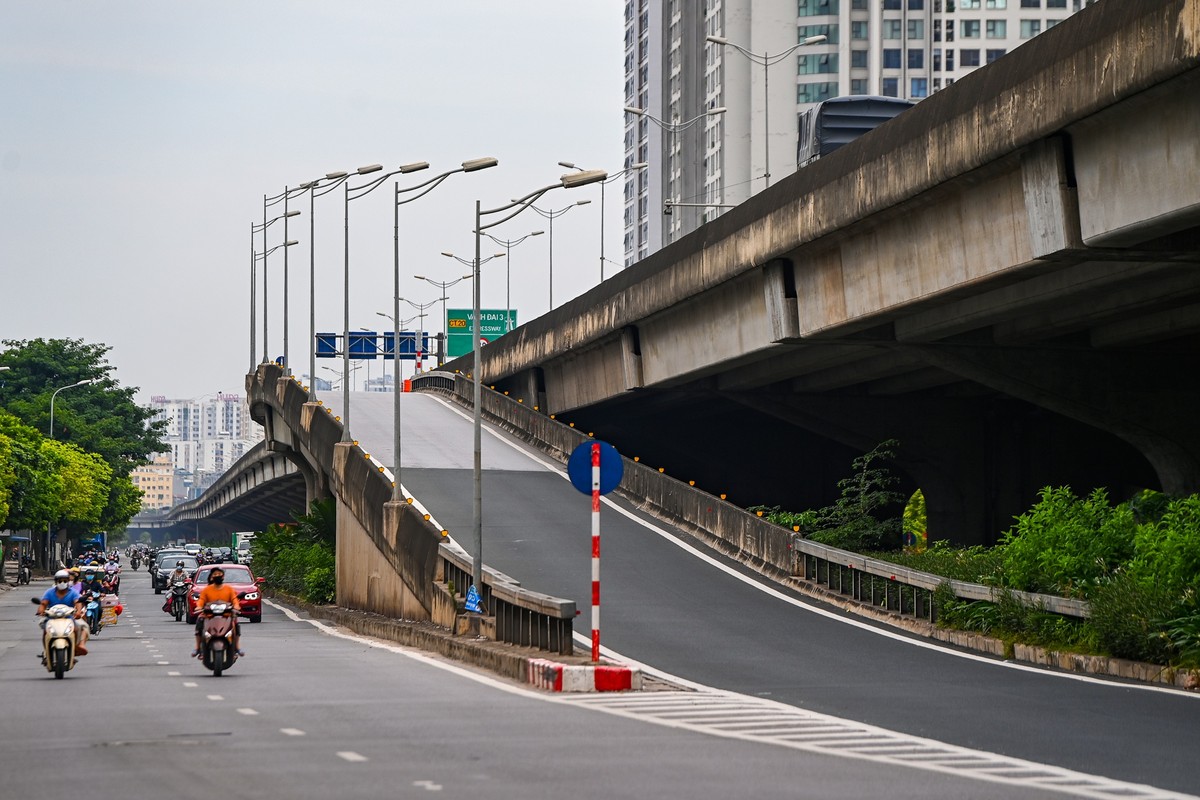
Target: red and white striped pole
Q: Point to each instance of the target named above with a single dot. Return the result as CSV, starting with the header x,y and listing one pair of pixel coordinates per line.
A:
x,y
595,551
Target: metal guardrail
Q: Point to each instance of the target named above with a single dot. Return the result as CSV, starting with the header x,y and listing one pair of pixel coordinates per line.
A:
x,y
881,584
902,590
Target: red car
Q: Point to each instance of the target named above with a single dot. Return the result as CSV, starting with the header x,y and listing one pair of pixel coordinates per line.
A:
x,y
237,576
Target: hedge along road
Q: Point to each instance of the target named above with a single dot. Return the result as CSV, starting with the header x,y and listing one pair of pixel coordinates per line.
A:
x,y
677,606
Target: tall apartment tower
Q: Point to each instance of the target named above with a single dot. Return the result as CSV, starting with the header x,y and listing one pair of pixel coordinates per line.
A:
x,y
702,160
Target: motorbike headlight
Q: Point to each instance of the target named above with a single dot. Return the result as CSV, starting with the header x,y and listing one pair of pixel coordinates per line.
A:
x,y
251,596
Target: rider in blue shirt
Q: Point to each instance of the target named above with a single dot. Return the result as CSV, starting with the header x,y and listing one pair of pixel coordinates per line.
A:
x,y
62,593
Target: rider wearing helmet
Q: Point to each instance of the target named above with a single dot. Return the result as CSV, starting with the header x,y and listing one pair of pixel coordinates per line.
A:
x,y
178,574
62,593
91,581
217,592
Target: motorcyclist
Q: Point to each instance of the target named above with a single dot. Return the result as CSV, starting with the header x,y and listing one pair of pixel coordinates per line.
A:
x,y
63,594
217,592
91,582
177,574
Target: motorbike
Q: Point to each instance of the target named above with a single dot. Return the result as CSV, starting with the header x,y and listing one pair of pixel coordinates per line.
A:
x,y
135,562
179,590
217,650
92,613
58,639
24,572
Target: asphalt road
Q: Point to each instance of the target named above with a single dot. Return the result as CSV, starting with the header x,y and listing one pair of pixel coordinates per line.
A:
x,y
315,713
695,614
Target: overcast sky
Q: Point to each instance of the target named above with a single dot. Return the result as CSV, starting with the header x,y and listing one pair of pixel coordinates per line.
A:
x,y
138,138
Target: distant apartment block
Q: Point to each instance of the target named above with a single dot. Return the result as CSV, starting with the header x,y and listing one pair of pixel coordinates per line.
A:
x,y
206,436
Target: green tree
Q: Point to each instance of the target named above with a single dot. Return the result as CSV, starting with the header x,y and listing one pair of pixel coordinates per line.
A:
x,y
84,479
34,491
101,418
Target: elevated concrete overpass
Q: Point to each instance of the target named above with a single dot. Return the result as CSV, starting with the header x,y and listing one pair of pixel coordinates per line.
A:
x,y
1003,278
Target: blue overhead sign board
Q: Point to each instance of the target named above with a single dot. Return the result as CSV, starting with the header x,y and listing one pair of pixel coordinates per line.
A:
x,y
371,345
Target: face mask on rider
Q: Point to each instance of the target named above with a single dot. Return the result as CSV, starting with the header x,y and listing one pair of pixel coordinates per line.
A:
x,y
62,586
218,579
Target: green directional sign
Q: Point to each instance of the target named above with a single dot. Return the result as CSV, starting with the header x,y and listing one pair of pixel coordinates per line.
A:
x,y
460,324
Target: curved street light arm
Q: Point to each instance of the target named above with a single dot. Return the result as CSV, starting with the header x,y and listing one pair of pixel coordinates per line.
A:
x,y
362,190
521,204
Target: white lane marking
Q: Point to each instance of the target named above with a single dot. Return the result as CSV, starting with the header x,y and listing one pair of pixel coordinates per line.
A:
x,y
428,786
215,697
291,731
249,712
724,714
350,755
174,673
190,685
163,663
778,595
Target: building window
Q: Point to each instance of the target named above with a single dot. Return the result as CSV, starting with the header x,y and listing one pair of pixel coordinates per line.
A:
x,y
1031,3
891,60
1056,3
824,64
1029,29
969,29
891,28
916,58
858,30
996,4
858,59
916,29
858,5
937,59
1050,23
916,5
891,87
920,88
830,32
992,55
858,86
816,8
997,28
937,30
815,92
968,58
891,5
966,5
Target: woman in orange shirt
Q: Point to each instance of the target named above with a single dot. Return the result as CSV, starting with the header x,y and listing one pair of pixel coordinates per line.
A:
x,y
217,592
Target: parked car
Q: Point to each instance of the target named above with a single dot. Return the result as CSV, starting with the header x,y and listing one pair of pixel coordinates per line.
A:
x,y
165,565
237,576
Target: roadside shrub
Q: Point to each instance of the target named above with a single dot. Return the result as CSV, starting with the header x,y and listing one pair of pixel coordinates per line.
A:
x,y
1167,552
1127,618
1066,545
299,559
976,564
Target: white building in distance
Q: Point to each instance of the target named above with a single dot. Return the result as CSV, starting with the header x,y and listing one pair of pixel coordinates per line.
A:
x,y
206,435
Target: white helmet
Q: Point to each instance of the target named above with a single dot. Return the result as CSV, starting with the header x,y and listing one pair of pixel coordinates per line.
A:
x,y
62,579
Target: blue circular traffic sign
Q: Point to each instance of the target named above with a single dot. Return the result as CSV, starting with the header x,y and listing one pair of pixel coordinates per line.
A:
x,y
579,467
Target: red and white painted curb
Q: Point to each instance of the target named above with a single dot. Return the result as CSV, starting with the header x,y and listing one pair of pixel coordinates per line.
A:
x,y
555,677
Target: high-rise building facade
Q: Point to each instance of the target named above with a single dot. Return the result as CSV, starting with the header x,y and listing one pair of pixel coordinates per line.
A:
x,y
206,435
718,120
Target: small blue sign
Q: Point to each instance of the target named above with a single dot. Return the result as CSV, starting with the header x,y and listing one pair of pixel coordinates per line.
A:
x,y
327,345
579,467
474,604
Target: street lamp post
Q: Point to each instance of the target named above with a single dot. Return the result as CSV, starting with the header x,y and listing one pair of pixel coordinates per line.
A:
x,y
568,182
285,245
443,286
508,245
766,61
255,228
353,193
674,128
50,523
419,344
631,168
315,188
551,214
467,263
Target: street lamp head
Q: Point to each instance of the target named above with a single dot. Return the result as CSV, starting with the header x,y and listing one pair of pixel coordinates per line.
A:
x,y
639,165
292,213
567,164
639,111
420,277
582,202
479,163
712,112
716,39
291,242
415,166
447,254
369,168
498,255
573,179
333,176
815,39
537,233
